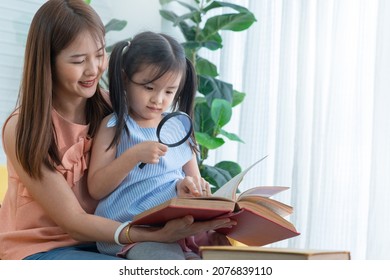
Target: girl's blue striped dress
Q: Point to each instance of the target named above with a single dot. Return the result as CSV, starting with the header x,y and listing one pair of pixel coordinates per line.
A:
x,y
142,188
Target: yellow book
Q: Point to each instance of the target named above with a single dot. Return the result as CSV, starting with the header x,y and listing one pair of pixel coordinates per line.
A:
x,y
261,253
3,182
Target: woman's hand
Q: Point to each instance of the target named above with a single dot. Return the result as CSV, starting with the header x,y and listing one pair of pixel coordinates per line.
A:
x,y
180,228
177,229
193,186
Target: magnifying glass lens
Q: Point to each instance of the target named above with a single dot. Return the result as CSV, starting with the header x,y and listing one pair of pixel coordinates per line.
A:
x,y
173,130
176,129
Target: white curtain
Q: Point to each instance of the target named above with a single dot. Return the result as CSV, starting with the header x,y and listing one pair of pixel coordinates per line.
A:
x,y
317,76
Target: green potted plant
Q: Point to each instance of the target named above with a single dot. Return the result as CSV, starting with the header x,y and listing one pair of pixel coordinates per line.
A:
x,y
213,106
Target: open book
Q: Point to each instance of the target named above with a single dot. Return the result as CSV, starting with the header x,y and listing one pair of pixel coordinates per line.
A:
x,y
260,219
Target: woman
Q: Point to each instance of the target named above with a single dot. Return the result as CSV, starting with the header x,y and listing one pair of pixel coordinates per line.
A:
x,y
47,212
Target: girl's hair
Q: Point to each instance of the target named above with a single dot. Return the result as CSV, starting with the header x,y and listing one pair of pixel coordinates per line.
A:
x,y
54,27
162,52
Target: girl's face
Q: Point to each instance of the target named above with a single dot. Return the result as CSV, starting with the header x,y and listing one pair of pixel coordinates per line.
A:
x,y
78,69
147,101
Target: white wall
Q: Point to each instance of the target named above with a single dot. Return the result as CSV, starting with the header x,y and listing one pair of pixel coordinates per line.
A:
x,y
140,16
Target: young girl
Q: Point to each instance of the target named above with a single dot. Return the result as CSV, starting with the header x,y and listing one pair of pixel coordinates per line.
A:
x,y
47,212
147,77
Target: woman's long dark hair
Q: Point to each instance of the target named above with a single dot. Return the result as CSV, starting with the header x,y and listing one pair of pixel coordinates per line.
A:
x,y
54,27
162,52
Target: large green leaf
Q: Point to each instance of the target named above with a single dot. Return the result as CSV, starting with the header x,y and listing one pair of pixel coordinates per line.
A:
x,y
196,45
212,45
233,22
200,100
230,136
216,176
205,67
169,15
194,16
179,20
238,97
230,166
215,38
191,47
206,84
208,141
189,32
221,112
203,121
115,25
219,4
213,88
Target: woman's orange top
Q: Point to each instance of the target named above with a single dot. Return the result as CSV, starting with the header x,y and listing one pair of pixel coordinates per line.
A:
x,y
25,228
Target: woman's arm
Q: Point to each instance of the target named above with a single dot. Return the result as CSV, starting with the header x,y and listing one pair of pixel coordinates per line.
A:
x,y
57,199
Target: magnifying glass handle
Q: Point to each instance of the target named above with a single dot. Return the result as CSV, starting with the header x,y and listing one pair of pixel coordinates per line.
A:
x,y
142,165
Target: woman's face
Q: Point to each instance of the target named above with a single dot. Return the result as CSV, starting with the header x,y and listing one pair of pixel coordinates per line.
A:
x,y
78,69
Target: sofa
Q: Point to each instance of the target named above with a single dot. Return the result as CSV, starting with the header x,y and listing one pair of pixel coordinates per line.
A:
x,y
3,182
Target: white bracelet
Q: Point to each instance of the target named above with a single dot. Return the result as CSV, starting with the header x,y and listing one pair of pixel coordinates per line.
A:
x,y
118,232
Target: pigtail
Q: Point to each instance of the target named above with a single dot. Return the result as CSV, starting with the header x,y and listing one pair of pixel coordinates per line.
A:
x,y
117,88
186,98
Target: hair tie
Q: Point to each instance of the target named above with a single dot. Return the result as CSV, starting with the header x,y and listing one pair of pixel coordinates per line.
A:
x,y
126,47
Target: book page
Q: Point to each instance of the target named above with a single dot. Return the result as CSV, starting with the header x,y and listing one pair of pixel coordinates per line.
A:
x,y
278,207
229,190
263,191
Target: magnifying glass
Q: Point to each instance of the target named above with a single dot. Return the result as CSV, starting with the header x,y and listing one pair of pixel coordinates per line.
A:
x,y
173,130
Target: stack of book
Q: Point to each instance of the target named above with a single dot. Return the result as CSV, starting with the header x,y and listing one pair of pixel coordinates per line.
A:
x,y
261,253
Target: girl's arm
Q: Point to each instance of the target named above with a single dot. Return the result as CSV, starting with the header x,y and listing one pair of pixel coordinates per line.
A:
x,y
191,168
105,171
57,199
193,184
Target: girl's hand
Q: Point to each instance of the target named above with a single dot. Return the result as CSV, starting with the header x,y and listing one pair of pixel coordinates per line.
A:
x,y
150,151
192,186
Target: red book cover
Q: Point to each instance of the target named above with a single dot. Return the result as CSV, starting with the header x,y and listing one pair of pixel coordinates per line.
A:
x,y
255,230
178,208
